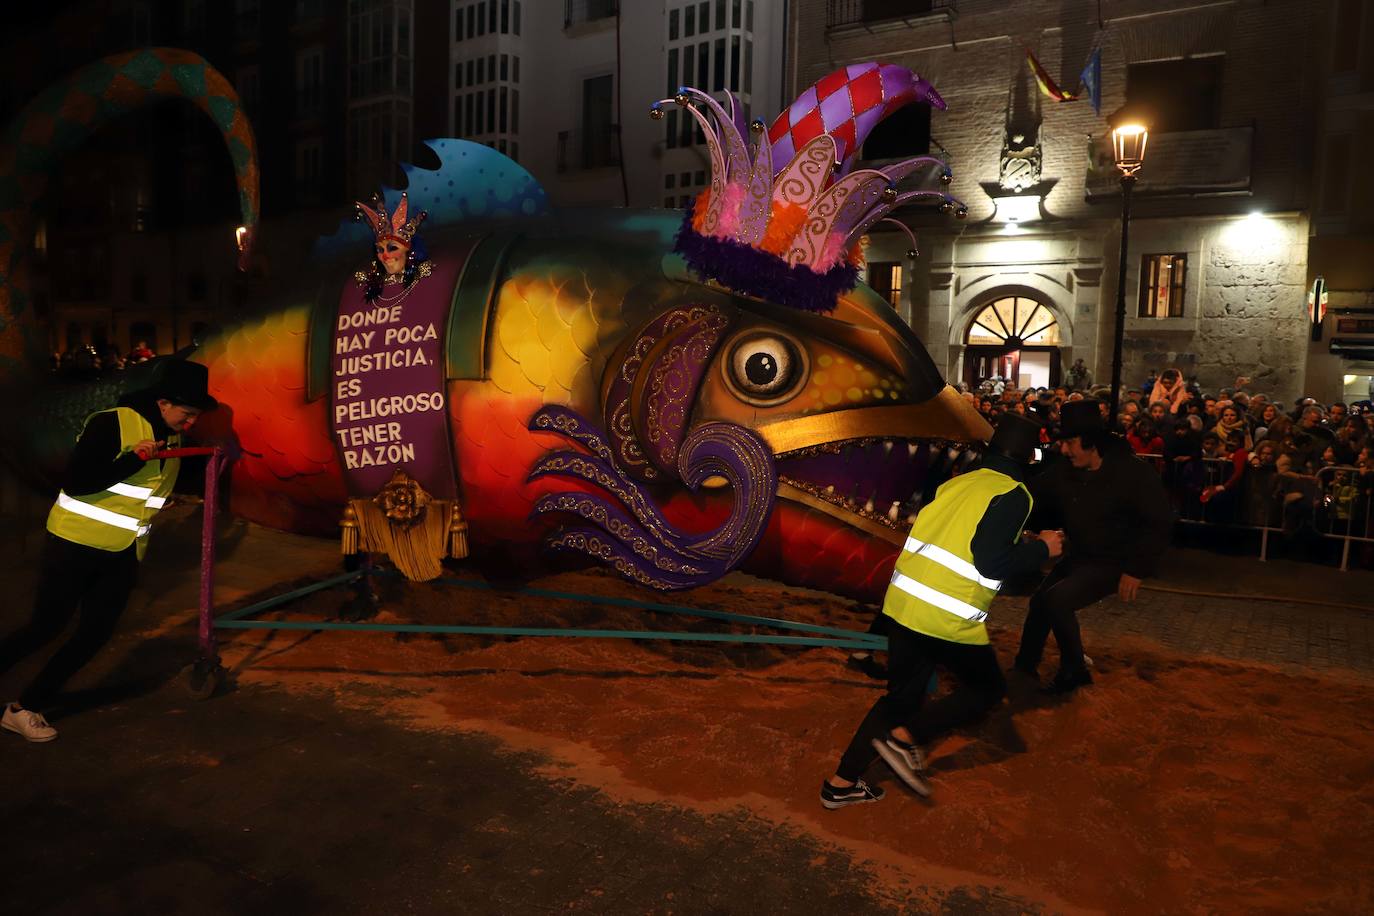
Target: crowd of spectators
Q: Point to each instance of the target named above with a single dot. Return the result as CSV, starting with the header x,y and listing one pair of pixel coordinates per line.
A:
x,y
85,361
1234,457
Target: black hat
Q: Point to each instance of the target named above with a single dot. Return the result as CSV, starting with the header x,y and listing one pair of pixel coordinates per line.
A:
x,y
1016,436
186,383
1077,418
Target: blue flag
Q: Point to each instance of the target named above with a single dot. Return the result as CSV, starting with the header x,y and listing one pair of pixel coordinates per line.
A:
x,y
1091,78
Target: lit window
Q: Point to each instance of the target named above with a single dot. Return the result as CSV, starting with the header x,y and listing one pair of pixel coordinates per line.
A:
x,y
886,280
1162,277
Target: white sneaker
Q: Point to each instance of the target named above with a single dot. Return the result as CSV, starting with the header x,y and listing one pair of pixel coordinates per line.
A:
x,y
28,724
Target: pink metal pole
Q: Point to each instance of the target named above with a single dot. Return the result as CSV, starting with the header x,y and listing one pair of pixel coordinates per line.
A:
x,y
208,647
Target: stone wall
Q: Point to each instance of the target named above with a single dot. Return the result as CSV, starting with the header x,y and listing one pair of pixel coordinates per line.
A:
x,y
1246,278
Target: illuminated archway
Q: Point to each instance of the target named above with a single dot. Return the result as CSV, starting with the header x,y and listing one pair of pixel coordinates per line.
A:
x,y
1014,322
1015,338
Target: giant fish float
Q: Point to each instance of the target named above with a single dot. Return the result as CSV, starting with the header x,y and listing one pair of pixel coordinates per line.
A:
x,y
672,395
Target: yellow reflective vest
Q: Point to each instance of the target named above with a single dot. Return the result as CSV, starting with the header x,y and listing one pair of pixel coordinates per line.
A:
x,y
935,587
120,515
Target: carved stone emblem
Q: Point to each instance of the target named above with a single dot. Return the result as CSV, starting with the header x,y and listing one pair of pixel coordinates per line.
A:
x,y
1020,164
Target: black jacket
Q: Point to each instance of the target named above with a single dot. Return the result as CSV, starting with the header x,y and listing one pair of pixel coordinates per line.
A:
x,y
1118,514
997,552
96,463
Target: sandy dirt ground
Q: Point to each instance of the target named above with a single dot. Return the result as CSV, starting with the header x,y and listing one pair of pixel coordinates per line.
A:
x,y
1177,783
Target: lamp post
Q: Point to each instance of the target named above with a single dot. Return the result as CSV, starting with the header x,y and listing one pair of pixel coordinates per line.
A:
x,y
1128,144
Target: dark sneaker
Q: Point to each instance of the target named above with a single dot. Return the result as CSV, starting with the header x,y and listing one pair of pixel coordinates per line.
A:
x,y
906,761
1064,684
857,794
868,666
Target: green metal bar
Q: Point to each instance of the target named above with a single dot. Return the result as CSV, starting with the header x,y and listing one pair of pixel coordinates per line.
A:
x,y
775,623
301,592
543,631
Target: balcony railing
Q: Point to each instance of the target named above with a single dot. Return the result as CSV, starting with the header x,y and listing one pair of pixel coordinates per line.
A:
x,y
1188,162
582,150
841,13
579,11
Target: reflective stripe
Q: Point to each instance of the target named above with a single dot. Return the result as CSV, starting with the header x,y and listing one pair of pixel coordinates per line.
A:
x,y
142,530
951,562
939,599
128,489
97,513
156,502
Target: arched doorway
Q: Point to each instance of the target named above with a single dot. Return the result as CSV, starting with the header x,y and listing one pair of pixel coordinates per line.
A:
x,y
1016,338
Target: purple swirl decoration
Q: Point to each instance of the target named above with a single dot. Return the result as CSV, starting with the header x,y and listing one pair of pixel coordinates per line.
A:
x,y
628,532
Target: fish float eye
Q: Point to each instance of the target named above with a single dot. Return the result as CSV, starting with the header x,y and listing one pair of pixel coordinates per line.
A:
x,y
764,368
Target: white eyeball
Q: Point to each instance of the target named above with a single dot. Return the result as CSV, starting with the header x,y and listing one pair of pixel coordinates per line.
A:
x,y
764,367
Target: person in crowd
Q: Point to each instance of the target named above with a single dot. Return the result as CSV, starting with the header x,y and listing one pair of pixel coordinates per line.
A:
x,y
1079,376
1297,493
1310,438
98,531
1257,492
1160,418
1184,473
1209,407
1335,416
141,353
1267,415
1116,520
1229,422
1149,385
1143,438
1211,446
962,545
1348,440
1224,496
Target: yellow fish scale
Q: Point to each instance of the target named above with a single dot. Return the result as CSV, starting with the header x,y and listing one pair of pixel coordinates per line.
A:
x,y
551,333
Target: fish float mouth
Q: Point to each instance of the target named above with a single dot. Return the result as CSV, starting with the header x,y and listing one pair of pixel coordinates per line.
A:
x,y
861,466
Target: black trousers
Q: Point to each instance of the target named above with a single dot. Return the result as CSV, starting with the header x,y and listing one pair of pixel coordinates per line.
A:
x,y
73,578
1054,608
911,659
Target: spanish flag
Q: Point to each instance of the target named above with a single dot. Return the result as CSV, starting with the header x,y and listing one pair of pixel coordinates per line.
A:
x,y
1047,84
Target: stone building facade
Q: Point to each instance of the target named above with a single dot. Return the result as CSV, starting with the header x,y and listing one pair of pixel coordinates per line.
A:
x,y
1216,269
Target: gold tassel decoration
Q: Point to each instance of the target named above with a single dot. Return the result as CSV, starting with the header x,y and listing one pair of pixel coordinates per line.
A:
x,y
348,526
457,533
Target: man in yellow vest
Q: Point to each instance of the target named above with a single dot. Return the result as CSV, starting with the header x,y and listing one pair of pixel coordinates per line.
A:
x,y
963,544
98,531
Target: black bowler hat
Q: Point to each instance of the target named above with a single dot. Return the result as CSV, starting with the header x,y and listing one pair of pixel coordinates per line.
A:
x,y
1016,436
1077,418
186,383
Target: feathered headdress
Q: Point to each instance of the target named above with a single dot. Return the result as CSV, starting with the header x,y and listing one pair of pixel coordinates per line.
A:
x,y
789,233
397,226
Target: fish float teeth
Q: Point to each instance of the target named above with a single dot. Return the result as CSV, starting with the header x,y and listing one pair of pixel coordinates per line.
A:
x,y
887,448
830,490
895,512
911,449
868,507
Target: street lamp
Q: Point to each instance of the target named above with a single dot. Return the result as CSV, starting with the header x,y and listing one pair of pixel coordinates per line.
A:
x,y
1128,144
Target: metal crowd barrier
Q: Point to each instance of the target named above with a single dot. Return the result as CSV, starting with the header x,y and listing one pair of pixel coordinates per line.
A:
x,y
1337,502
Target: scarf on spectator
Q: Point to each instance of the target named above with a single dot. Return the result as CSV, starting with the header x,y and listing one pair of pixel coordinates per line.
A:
x,y
1224,430
1170,396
